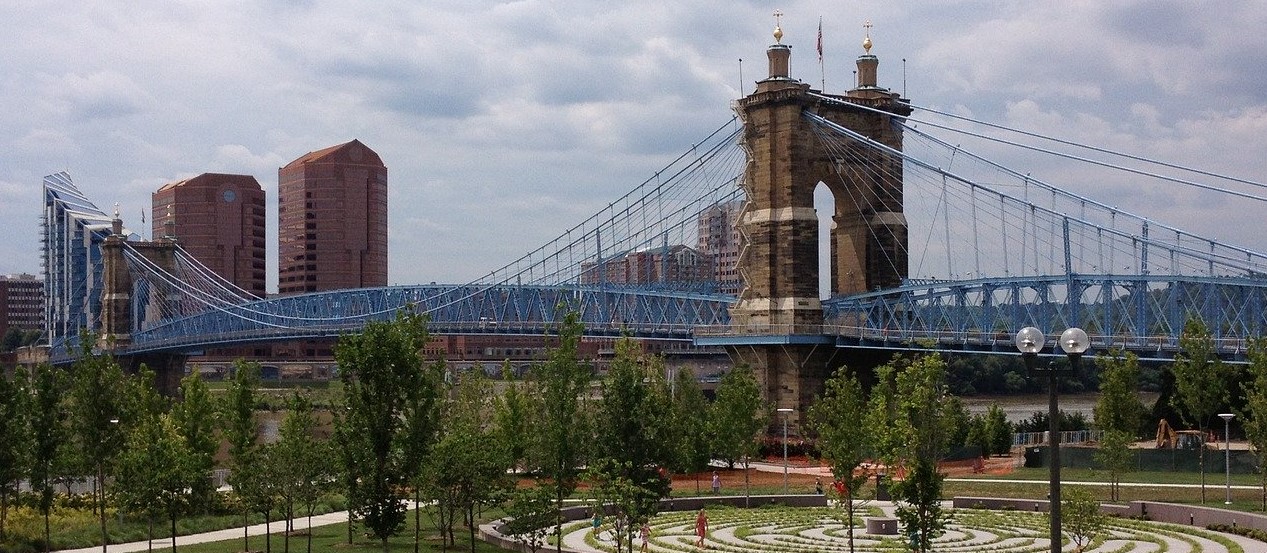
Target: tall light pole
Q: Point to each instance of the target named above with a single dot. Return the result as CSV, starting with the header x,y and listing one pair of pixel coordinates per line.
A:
x,y
786,412
1074,342
1227,455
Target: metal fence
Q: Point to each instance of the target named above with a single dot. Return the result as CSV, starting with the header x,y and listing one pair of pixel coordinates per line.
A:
x,y
1026,439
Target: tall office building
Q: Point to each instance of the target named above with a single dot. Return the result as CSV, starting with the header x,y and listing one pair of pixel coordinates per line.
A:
x,y
719,242
332,220
219,219
73,230
21,303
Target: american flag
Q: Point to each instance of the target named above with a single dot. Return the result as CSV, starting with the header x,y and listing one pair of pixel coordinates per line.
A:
x,y
820,39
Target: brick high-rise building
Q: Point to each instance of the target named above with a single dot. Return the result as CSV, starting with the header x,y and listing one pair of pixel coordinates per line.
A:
x,y
219,219
332,220
719,242
21,303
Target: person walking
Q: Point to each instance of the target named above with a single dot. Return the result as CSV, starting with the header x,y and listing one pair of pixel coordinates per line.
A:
x,y
701,528
716,483
645,534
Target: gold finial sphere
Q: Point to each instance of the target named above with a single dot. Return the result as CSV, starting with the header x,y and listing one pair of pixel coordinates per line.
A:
x,y
778,29
866,44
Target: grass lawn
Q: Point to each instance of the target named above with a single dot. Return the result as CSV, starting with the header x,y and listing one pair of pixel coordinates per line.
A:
x,y
334,537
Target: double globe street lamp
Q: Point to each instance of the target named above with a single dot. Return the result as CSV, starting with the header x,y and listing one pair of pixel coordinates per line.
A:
x,y
1074,342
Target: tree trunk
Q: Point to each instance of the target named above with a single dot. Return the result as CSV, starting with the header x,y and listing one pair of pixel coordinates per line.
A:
x,y
173,517
849,515
286,528
246,534
470,513
4,507
417,517
745,481
46,529
1201,463
268,534
558,517
309,547
349,506
149,533
100,485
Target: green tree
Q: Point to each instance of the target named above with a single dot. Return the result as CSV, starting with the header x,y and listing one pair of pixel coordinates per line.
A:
x,y
466,469
739,418
634,435
1081,517
513,418
909,413
12,339
998,431
239,428
14,440
1254,416
560,444
1201,383
98,399
195,419
305,461
532,516
961,425
381,370
690,418
422,419
841,439
1118,414
137,485
157,471
48,432
628,502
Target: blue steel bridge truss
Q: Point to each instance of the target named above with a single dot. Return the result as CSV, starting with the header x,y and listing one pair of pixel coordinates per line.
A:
x,y
465,309
1143,314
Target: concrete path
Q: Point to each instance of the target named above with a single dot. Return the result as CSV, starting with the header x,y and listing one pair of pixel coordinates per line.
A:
x,y
218,535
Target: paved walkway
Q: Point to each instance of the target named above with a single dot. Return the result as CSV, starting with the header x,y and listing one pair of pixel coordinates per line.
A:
x,y
218,535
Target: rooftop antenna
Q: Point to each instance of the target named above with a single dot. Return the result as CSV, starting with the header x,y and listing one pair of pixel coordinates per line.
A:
x,y
741,77
904,77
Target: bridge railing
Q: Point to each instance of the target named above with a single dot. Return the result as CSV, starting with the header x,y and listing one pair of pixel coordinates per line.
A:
x,y
959,339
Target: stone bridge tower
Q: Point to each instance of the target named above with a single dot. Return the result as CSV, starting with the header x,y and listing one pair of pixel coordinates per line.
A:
x,y
118,310
777,325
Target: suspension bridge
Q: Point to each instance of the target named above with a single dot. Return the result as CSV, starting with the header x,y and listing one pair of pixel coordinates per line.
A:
x,y
930,246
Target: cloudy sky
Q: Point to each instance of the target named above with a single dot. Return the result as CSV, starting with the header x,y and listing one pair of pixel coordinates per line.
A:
x,y
502,124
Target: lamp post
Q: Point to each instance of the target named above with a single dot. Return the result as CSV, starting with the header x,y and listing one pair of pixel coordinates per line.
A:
x,y
1227,455
1074,342
786,412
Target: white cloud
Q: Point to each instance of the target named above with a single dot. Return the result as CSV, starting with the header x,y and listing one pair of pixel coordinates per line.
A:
x,y
504,123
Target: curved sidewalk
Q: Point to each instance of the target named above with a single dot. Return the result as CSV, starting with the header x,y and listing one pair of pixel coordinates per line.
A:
x,y
214,536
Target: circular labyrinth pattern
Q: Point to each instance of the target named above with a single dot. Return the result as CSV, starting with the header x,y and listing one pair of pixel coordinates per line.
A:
x,y
783,529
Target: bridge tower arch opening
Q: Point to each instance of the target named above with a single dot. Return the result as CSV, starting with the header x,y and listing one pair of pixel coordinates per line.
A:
x,y
825,203
777,326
